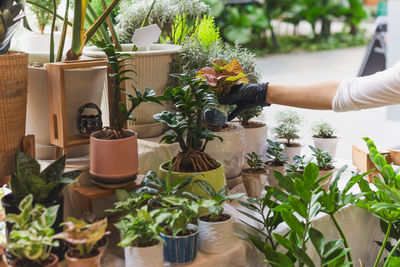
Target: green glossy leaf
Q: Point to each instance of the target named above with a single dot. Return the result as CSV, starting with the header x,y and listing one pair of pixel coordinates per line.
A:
x,y
292,222
318,240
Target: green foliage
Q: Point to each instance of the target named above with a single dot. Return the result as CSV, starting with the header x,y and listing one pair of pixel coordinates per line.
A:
x,y
45,186
323,129
139,230
83,235
274,152
42,17
31,238
185,121
254,161
10,15
299,164
216,200
246,115
207,32
288,125
129,201
323,159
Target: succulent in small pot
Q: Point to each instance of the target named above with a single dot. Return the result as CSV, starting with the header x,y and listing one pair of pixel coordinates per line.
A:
x,y
84,236
113,151
324,137
325,165
255,176
216,227
140,239
32,236
288,129
221,77
180,236
276,162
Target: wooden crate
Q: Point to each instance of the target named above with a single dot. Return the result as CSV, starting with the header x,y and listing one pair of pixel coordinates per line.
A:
x,y
363,163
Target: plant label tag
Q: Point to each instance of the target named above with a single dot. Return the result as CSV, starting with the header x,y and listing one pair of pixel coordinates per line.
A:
x,y
146,36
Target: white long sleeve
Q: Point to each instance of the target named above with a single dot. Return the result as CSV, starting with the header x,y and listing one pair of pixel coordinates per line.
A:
x,y
377,90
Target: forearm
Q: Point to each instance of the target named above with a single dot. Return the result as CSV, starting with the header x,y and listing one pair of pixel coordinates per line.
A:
x,y
317,96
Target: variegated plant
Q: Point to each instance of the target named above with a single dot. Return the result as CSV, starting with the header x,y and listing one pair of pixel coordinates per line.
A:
x,y
10,15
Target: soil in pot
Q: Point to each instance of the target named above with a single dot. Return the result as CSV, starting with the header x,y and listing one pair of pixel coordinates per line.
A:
x,y
193,161
253,124
208,218
224,128
75,259
51,261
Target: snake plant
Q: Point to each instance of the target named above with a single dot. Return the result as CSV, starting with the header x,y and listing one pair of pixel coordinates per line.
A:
x,y
10,15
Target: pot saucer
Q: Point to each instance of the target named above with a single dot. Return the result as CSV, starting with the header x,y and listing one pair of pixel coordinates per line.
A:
x,y
112,186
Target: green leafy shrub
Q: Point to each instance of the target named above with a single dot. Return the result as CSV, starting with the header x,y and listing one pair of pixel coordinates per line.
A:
x,y
300,163
246,115
32,235
288,126
43,18
322,158
275,154
323,129
254,161
45,186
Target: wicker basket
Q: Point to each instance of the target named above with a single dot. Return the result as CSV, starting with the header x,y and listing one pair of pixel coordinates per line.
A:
x,y
13,94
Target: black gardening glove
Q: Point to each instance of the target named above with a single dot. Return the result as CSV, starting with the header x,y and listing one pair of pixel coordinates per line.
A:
x,y
245,96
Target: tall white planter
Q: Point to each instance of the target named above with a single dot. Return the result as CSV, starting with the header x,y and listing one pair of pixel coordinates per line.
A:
x,y
36,42
327,144
230,152
152,71
215,237
256,140
81,86
144,256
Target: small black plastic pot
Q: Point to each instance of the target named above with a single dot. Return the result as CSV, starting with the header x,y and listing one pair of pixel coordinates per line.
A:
x,y
216,116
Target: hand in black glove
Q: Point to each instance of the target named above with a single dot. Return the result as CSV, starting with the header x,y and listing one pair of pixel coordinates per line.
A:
x,y
245,96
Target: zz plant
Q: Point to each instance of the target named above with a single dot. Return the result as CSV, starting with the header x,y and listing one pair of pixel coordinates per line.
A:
x,y
32,235
185,123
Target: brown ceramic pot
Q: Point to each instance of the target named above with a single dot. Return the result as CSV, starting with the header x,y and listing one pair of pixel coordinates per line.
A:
x,y
322,173
86,262
114,161
254,181
53,263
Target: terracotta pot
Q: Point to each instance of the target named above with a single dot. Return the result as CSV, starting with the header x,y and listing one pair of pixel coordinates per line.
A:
x,y
114,161
270,176
54,262
254,182
144,256
87,262
215,237
327,180
327,144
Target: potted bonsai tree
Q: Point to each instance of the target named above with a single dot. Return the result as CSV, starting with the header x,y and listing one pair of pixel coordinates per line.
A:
x,y
179,234
113,151
84,236
216,227
140,239
325,165
32,235
324,137
13,89
256,132
255,176
277,160
186,128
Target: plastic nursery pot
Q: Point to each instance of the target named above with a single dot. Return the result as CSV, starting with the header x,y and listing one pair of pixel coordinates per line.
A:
x,y
254,181
216,116
114,161
215,237
181,249
272,181
215,177
144,256
327,144
73,260
51,262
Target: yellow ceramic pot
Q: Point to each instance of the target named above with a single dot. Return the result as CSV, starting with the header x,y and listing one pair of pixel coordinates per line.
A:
x,y
215,177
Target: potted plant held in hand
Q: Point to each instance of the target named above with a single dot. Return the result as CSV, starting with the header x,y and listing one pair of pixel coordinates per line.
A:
x,y
255,176
324,137
140,239
324,162
276,162
114,151
288,129
186,128
32,235
84,236
216,227
180,236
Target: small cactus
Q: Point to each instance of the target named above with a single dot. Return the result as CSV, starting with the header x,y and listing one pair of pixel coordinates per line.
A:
x,y
10,15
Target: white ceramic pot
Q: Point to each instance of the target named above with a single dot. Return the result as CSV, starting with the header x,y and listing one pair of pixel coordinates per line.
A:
x,y
81,86
215,237
152,71
293,151
256,140
327,144
254,183
230,152
40,43
144,257
270,175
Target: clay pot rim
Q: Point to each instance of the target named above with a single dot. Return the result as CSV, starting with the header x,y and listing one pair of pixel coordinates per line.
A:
x,y
329,138
184,236
214,223
100,140
79,259
248,173
189,173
